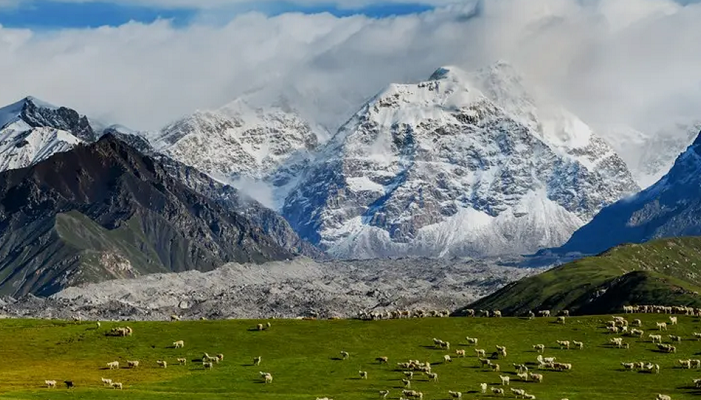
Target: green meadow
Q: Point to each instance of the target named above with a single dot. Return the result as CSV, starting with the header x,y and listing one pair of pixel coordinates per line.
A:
x,y
304,359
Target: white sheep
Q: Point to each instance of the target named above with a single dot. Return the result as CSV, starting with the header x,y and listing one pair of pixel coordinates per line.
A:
x,y
564,344
132,364
495,367
384,393
456,395
113,365
472,341
446,358
504,380
536,377
407,383
561,320
672,320
663,397
220,357
409,374
50,383
539,347
529,396
345,355
182,361
662,326
117,385
460,352
481,352
179,344
497,391
697,383
579,345
363,374
383,360
106,381
257,360
483,388
518,392
268,378
207,365
655,338
432,376
162,363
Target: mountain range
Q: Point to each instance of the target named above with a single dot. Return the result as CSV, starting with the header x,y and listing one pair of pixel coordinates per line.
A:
x,y
462,164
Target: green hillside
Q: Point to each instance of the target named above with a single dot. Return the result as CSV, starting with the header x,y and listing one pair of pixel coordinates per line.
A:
x,y
304,359
663,272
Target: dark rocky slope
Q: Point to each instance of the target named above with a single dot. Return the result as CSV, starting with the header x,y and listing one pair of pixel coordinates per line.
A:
x,y
106,211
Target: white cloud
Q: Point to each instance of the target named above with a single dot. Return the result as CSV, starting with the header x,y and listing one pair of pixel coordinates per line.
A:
x,y
629,61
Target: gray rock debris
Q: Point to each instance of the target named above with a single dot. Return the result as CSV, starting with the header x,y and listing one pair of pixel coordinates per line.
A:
x,y
286,289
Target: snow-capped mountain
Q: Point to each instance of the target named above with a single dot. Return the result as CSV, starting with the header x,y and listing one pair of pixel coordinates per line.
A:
x,y
671,207
462,164
32,131
650,156
261,152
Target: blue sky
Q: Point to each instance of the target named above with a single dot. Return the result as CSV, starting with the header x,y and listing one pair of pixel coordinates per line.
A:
x,y
50,14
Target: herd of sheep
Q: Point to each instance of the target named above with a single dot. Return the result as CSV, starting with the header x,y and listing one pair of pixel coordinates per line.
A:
x,y
410,370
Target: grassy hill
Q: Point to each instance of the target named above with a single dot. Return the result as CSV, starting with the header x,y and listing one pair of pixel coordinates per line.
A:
x,y
303,357
665,272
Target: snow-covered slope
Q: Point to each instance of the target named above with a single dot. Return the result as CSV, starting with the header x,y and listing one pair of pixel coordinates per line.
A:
x,y
261,152
32,130
671,207
650,156
462,164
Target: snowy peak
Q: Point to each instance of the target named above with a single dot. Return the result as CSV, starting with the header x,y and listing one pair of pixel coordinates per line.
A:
x,y
462,164
38,114
261,152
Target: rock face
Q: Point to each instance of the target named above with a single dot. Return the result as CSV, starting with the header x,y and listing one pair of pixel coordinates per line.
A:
x,y
670,207
104,211
261,152
460,165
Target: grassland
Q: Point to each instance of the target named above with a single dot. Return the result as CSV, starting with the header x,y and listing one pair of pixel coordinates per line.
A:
x,y
303,357
664,272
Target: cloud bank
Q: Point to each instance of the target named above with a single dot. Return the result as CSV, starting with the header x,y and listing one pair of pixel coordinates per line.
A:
x,y
610,61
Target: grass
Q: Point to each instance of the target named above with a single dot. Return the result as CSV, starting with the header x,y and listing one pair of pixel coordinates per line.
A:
x,y
659,272
303,357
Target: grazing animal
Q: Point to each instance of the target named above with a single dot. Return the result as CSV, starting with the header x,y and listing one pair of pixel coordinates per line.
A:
x,y
363,374
132,364
208,365
539,348
483,388
382,360
409,374
182,361
69,384
257,360
446,358
345,355
179,344
268,378
117,385
460,353
663,397
106,381
384,393
50,384
432,376
504,380
662,326
407,383
113,365
162,363
481,352
456,395
497,391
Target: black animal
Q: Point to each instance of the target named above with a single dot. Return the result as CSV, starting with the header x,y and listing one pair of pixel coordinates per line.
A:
x,y
69,384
